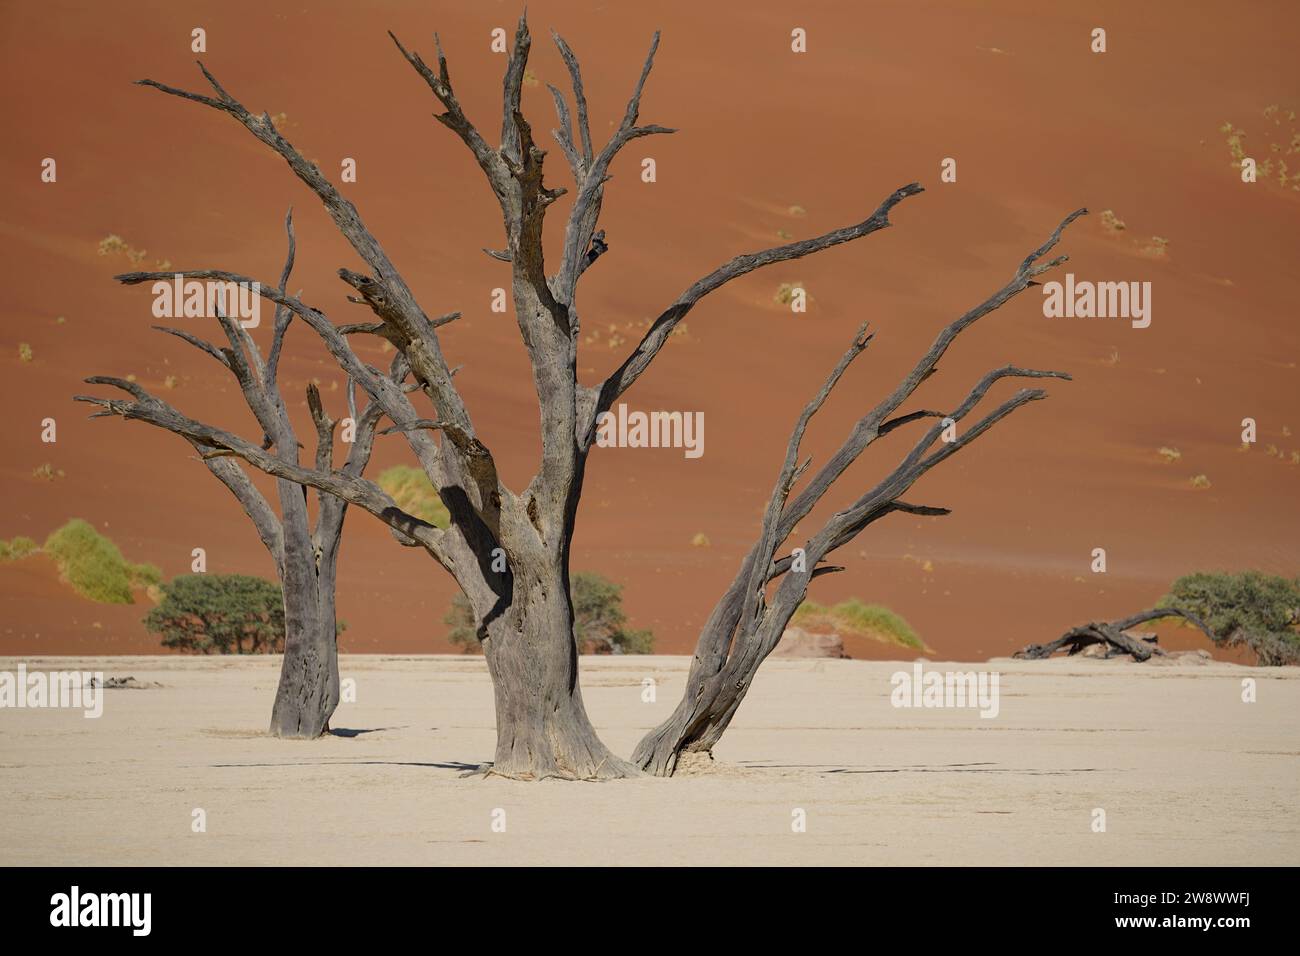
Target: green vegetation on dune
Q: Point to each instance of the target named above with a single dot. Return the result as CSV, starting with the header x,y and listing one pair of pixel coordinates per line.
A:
x,y
854,617
414,493
16,549
94,566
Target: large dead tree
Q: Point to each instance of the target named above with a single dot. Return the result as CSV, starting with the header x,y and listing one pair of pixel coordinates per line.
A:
x,y
305,555
525,613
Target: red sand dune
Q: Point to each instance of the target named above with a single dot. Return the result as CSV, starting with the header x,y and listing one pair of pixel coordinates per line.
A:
x,y
1039,126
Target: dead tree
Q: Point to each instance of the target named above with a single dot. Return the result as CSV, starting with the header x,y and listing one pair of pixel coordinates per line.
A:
x,y
524,612
306,556
1112,637
748,621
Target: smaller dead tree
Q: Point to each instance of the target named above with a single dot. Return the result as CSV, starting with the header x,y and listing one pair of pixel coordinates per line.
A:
x,y
306,555
1112,636
751,616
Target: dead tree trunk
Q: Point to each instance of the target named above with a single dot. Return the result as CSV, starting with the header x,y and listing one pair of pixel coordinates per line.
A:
x,y
509,550
1112,636
305,556
542,726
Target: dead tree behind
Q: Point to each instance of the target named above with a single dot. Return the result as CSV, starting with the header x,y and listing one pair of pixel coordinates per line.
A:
x,y
305,555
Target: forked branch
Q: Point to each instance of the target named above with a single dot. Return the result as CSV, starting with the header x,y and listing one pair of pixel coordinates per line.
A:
x,y
654,340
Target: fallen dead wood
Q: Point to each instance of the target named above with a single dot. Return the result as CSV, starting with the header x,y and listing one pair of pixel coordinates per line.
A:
x,y
1112,636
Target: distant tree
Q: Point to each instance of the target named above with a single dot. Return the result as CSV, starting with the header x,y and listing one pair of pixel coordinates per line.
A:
x,y
220,614
1254,610
599,624
304,545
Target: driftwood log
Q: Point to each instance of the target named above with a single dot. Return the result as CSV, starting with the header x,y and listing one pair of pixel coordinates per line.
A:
x,y
1112,636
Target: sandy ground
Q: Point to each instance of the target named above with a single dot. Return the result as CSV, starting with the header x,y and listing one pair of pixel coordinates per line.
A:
x,y
1186,772
1038,124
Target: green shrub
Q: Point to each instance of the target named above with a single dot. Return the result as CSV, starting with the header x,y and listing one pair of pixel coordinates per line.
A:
x,y
599,624
145,575
94,566
220,614
411,488
1251,609
462,628
855,617
20,547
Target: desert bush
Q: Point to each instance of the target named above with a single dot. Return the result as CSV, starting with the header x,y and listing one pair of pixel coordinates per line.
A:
x,y
785,292
855,617
24,352
599,624
94,566
411,488
16,549
220,614
1251,609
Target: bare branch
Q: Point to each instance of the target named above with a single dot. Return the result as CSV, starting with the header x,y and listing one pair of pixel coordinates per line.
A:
x,y
454,119
579,100
591,173
768,541
255,505
283,316
870,426
653,341
351,488
563,134
324,429
198,343
477,460
402,309
513,86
